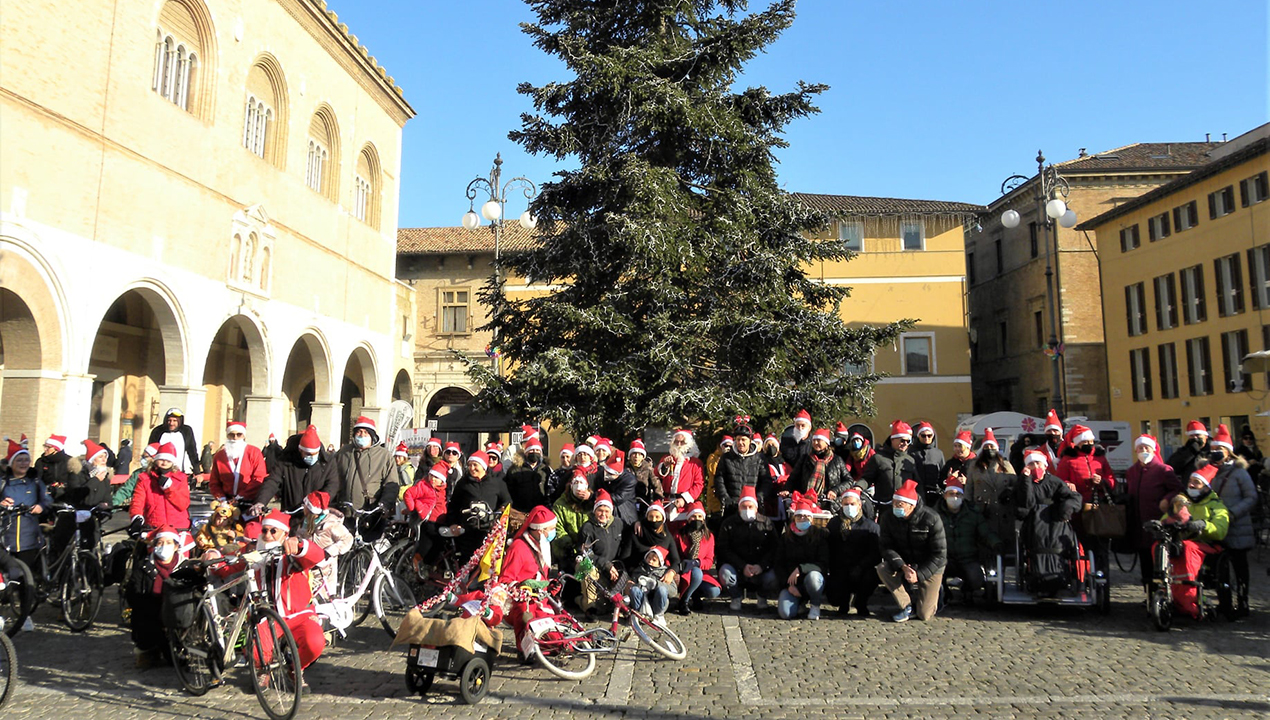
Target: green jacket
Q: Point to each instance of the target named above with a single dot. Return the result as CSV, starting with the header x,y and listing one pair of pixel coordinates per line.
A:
x,y
967,532
570,517
123,495
1215,516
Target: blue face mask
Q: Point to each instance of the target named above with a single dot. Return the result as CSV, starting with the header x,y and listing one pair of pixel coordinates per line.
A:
x,y
551,536
802,525
363,441
899,511
1194,492
309,460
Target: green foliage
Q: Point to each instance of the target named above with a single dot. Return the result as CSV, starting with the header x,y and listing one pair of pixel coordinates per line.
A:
x,y
680,264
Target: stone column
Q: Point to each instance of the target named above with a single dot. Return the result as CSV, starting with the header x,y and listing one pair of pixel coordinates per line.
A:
x,y
77,403
192,402
266,414
31,403
329,420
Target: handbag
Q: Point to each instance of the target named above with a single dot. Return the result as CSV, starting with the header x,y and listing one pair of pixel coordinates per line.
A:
x,y
1105,519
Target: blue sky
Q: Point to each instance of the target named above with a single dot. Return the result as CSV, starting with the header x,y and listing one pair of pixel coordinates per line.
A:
x,y
933,100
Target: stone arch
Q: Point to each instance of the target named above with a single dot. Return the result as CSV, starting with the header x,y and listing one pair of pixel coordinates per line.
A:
x,y
266,82
27,275
447,396
191,21
237,365
172,326
306,376
401,387
359,386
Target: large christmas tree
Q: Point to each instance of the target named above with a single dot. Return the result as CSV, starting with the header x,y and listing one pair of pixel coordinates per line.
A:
x,y
679,266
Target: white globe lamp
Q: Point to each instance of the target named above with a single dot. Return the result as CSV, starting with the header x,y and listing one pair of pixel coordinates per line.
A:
x,y
1068,219
528,221
1055,208
471,220
1010,218
492,210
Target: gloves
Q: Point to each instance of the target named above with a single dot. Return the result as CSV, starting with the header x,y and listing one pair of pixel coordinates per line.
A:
x,y
167,483
1195,526
134,528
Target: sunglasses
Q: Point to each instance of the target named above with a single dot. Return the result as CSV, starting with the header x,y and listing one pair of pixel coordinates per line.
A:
x,y
451,452
271,531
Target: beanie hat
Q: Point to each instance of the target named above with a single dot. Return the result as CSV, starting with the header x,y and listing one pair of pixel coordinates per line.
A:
x,y
309,441
317,502
907,492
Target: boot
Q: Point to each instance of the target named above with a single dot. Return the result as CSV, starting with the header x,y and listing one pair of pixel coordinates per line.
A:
x,y
684,608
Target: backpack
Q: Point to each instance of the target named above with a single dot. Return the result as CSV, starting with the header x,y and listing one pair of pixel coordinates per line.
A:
x,y
182,593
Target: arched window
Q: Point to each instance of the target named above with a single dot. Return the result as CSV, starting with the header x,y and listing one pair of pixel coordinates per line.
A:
x,y
249,257
235,254
366,187
322,169
184,38
264,118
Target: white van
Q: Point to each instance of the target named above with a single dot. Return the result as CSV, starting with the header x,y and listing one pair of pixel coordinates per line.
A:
x,y
1008,426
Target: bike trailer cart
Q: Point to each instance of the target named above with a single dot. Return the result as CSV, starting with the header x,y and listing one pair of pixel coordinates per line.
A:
x,y
462,649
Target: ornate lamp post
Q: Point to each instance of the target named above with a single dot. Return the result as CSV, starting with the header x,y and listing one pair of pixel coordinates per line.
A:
x,y
492,210
1051,193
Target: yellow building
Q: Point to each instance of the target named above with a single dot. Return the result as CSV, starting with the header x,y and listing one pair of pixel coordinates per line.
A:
x,y
1186,291
198,208
911,264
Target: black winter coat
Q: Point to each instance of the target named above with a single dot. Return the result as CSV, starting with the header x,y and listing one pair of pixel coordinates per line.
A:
x,y
734,472
291,480
608,544
740,543
853,546
793,452
622,491
806,552
886,472
837,479
916,540
526,485
643,539
52,468
1184,459
928,461
82,490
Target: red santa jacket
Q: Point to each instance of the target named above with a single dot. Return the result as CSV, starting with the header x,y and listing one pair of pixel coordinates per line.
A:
x,y
705,556
1080,470
856,467
686,481
522,563
426,501
161,507
251,474
288,580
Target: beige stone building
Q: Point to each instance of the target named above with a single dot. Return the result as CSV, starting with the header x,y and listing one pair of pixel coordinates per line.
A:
x,y
198,208
1009,317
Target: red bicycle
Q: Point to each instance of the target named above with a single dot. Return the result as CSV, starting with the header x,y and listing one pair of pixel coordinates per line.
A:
x,y
655,635
557,640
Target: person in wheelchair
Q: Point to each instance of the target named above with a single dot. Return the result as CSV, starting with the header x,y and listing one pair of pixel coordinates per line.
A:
x,y
1203,520
1046,505
145,592
968,536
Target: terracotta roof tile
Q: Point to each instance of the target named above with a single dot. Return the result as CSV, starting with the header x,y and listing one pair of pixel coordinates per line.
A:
x,y
862,205
446,240
1142,156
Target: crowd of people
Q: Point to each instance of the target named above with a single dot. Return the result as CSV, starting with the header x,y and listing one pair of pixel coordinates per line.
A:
x,y
815,517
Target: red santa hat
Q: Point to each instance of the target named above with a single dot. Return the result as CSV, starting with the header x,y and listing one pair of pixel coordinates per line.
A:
x,y
695,509
540,518
841,430
15,449
853,490
401,451
659,551
604,444
56,441
440,471
1206,474
771,438
614,466
923,425
1079,434
901,429
1194,428
317,502
1148,441
165,532
989,438
757,439
364,423
637,446
433,442
804,504
151,450
452,445
273,438
1222,438
236,426
803,416
682,432
954,482
92,450
480,459
585,450
602,498
528,432
822,434
493,449
593,440
277,519
309,441
1052,422
1036,454
533,443
566,449
964,438
907,493
748,495
167,451
656,506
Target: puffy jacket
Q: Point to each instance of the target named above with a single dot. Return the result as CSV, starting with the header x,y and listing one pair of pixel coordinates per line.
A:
x,y
792,451
1029,497
967,533
1081,470
928,461
571,515
24,532
123,494
836,479
52,469
807,552
1184,459
916,540
83,489
425,501
527,484
887,470
221,482
742,543
292,480
734,472
622,490
1238,493
608,543
490,493
852,545
1216,518
161,506
366,475
1147,485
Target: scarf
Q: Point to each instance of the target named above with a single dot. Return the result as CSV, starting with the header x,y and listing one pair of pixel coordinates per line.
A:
x,y
816,483
694,541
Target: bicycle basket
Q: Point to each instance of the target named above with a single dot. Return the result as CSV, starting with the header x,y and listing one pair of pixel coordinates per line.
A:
x,y
182,592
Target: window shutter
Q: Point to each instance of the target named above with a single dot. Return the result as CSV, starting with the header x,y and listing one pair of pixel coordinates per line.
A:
x,y
1201,313
1159,306
1128,310
1212,205
1237,283
1253,284
1164,225
1171,284
1177,218
1243,193
1225,359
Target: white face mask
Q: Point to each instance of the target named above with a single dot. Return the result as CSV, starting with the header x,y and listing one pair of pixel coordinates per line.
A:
x,y
851,511
1145,456
954,503
165,552
748,513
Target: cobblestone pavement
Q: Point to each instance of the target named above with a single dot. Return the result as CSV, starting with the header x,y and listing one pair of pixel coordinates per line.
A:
x,y
969,662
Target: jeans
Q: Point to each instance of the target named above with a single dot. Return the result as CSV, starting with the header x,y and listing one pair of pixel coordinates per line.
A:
x,y
970,572
695,585
736,583
810,586
658,598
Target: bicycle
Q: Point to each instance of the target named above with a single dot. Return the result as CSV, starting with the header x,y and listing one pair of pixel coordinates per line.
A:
x,y
557,640
390,599
439,574
354,567
8,667
76,575
203,651
14,588
658,637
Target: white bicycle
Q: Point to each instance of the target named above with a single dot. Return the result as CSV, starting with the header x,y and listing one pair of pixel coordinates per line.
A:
x,y
390,595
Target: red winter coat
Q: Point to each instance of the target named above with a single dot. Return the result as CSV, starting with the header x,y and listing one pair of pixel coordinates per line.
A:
x,y
705,556
251,474
162,507
689,484
1080,470
425,501
288,580
522,563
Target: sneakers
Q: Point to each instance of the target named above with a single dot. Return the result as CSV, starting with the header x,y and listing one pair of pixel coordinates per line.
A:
x,y
814,613
659,620
903,615
735,605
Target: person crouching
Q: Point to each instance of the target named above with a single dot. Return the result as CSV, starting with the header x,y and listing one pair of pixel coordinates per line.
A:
x,y
914,553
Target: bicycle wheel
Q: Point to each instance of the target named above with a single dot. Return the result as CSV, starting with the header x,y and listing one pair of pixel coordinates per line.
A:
x,y
350,575
393,554
81,590
276,676
563,659
659,638
17,600
392,600
195,654
8,669
1161,609
421,589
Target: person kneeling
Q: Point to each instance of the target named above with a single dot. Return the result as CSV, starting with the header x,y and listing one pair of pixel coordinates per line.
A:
x,y
801,558
914,554
967,534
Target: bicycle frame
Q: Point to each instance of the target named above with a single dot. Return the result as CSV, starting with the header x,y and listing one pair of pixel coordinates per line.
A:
x,y
339,611
602,640
235,622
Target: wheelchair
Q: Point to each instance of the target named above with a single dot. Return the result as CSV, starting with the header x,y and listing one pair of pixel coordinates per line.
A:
x,y
1071,577
1215,581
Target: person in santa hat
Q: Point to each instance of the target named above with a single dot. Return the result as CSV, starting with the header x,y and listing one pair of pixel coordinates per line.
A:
x,y
529,558
820,471
856,453
969,536
53,464
19,485
1053,438
891,466
776,475
123,494
324,525
571,510
620,484
237,469
1186,459
162,496
529,476
1150,486
425,500
272,453
962,456
928,460
144,594
1046,506
368,475
560,477
287,581
1238,493
1205,522
305,467
405,471
914,554
648,487
738,468
431,456
853,555
697,581
681,472
584,463
475,505
802,556
1084,467
452,456
652,531
494,450
87,487
604,533
745,547
796,440
987,479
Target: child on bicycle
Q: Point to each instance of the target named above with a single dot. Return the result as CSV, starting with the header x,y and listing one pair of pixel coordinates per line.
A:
x,y
426,501
528,559
325,526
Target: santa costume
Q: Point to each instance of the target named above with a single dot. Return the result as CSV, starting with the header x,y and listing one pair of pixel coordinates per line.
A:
x,y
286,580
526,560
238,469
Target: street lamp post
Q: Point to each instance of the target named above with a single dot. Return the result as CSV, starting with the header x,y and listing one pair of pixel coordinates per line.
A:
x,y
1051,193
492,210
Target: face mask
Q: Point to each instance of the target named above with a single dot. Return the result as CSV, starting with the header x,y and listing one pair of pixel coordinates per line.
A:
x,y
363,441
899,511
1053,441
309,460
551,535
1087,449
533,458
145,463
696,526
1037,473
802,526
989,452
161,471
165,553
1145,456
851,511
1216,457
954,503
1194,492
748,513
